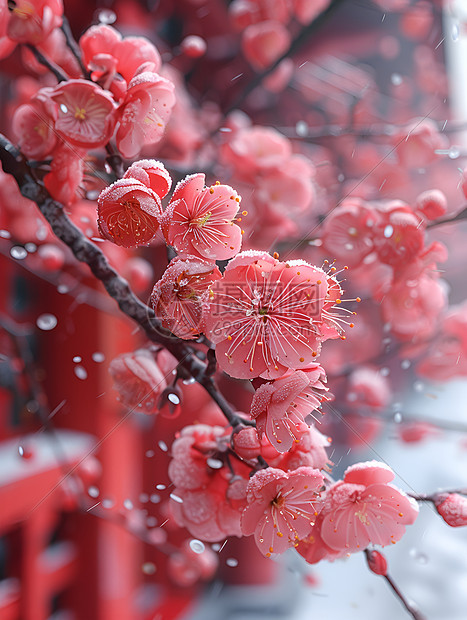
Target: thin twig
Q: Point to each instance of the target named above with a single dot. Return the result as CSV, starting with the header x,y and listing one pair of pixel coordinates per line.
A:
x,y
51,66
118,288
73,45
304,35
413,611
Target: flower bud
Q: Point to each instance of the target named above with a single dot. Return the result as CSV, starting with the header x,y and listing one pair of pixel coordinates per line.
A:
x,y
453,508
377,563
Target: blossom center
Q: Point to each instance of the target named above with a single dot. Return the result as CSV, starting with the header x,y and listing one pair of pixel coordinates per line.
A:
x,y
80,113
201,221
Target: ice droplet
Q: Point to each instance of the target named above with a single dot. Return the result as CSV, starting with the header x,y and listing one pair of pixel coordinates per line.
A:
x,y
397,418
18,252
128,504
173,398
4,234
93,492
77,359
46,322
143,498
148,568
214,463
231,562
81,372
176,498
150,453
388,231
106,16
160,487
301,129
196,546
405,364
454,152
455,32
163,446
98,357
396,79
107,503
30,247
155,498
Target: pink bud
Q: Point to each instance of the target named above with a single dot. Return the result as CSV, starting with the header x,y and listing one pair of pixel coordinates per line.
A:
x,y
432,204
377,562
246,443
453,508
193,46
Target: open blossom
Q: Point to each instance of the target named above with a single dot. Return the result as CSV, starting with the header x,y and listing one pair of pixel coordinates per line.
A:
x,y
348,231
255,150
34,129
84,113
264,42
31,21
180,295
280,407
399,235
447,354
364,509
281,507
368,388
152,173
106,52
264,314
128,213
199,220
138,379
208,497
144,112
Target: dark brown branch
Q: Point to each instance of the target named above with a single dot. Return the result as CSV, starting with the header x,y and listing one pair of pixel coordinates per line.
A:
x,y
461,215
51,66
72,45
87,252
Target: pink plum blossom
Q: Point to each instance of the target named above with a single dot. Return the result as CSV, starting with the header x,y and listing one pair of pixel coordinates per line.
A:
x,y
281,507
265,315
453,508
84,113
208,498
364,508
199,220
31,21
182,293
280,407
152,173
144,112
128,213
34,128
106,52
138,379
264,42
348,231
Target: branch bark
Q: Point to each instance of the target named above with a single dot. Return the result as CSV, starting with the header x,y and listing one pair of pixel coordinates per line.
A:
x,y
87,252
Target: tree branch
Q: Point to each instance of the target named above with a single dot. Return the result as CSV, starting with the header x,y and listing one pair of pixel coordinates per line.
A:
x,y
87,252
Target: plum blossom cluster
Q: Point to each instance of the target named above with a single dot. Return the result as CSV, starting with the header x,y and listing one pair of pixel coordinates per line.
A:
x,y
388,237
276,183
125,98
